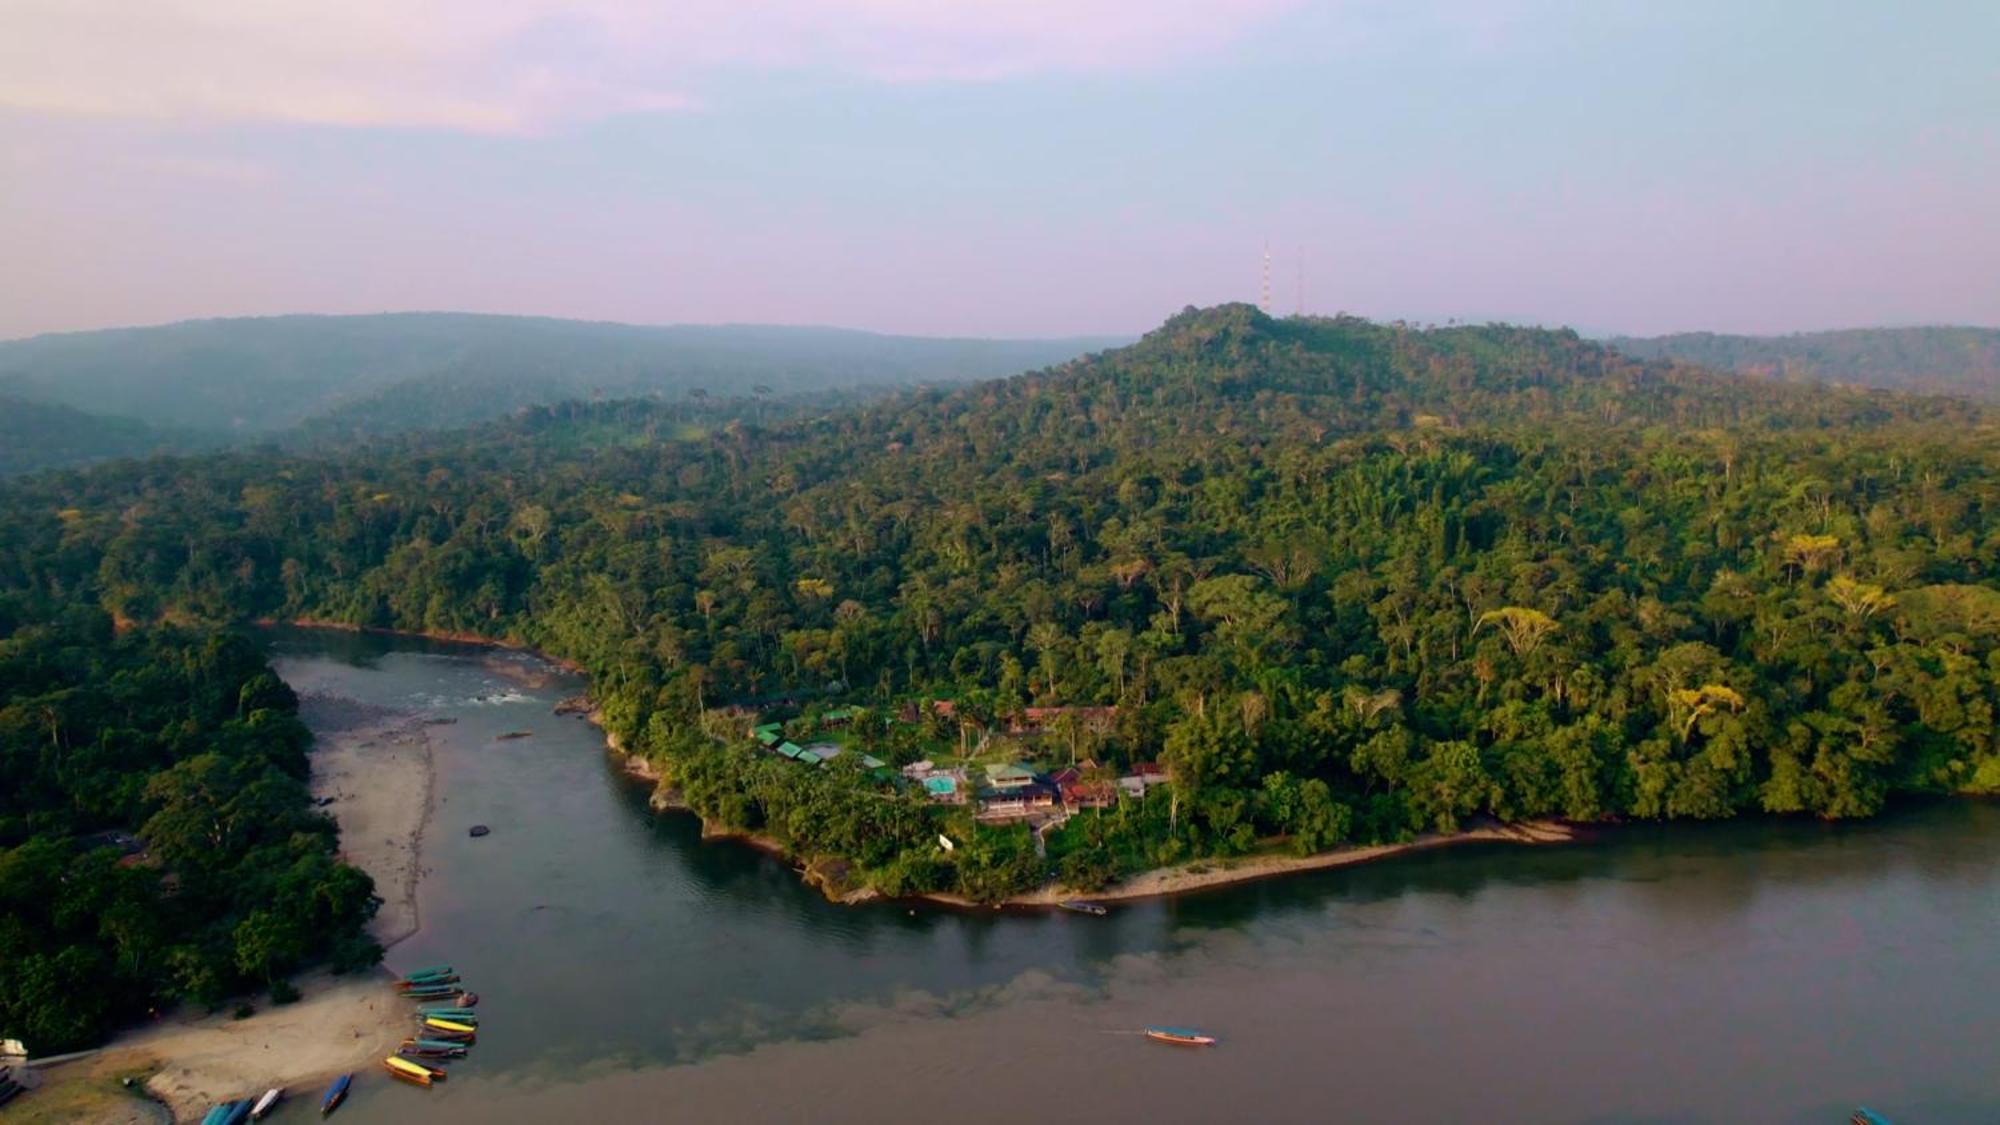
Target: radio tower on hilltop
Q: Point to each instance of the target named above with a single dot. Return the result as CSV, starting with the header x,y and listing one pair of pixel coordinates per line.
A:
x,y
1264,301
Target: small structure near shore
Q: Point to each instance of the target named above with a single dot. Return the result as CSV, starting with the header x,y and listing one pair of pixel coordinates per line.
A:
x,y
479,830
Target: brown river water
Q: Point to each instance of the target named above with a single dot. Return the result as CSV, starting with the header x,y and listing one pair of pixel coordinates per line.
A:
x,y
1748,972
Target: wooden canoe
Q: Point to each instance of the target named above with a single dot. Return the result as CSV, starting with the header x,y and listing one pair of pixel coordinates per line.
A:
x,y
335,1094
1181,1036
399,1067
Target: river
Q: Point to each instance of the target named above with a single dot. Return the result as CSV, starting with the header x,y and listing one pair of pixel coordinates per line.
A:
x,y
1768,972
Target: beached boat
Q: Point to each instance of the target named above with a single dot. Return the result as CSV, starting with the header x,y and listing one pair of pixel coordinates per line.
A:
x,y
267,1103
428,1066
451,1026
335,1094
426,983
215,1116
239,1112
413,1077
1080,907
1182,1036
459,1015
445,993
433,1048
428,971
1865,1116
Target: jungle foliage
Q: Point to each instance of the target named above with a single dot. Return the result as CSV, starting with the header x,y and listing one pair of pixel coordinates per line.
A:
x,y
1347,581
157,842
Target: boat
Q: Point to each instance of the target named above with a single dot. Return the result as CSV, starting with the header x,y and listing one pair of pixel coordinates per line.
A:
x,y
445,1010
335,1094
427,982
1080,907
431,971
469,999
267,1103
437,1073
1865,1116
436,993
216,1115
433,1048
239,1112
415,1075
1182,1036
451,1026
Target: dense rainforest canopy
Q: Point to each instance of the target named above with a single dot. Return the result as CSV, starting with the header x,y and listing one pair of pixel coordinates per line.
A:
x,y
156,840
1346,581
1953,360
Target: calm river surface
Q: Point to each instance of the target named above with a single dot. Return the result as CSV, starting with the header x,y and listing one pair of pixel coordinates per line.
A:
x,y
1736,973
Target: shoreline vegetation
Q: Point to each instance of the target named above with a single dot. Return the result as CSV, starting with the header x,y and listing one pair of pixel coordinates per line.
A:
x,y
1181,878
377,767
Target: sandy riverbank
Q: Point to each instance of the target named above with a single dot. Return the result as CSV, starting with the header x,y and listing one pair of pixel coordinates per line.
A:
x,y
342,1024
376,767
1211,873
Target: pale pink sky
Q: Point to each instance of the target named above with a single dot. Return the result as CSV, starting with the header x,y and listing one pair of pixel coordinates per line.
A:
x,y
1019,167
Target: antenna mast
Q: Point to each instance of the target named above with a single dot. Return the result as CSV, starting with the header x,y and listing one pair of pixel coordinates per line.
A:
x,y
1264,302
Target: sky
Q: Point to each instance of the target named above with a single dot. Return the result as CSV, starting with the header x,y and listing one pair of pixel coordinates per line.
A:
x,y
1003,167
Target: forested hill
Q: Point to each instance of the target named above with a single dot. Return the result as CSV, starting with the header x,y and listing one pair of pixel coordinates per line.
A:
x,y
38,435
1232,371
387,373
1944,360
1346,581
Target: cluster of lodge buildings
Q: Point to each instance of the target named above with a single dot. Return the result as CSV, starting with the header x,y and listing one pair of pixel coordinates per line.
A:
x,y
1014,791
771,736
1000,791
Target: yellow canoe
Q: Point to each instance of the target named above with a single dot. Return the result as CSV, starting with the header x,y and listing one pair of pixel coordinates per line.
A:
x,y
451,1025
407,1070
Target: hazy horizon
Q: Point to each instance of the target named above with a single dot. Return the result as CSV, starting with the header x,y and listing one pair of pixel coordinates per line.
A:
x,y
1018,169
1584,331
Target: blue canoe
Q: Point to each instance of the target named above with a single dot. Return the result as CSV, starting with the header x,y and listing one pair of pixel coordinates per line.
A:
x,y
216,1115
335,1094
239,1112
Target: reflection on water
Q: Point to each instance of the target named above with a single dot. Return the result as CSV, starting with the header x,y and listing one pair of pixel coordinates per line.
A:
x,y
1743,972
